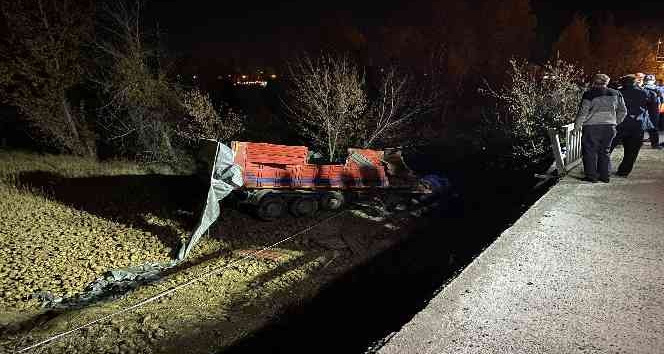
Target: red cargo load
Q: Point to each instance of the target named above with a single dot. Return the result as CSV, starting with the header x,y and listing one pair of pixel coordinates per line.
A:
x,y
281,166
276,154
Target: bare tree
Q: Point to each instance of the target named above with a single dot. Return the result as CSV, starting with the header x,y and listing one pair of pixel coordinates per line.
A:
x,y
203,121
141,102
41,60
400,102
533,101
326,99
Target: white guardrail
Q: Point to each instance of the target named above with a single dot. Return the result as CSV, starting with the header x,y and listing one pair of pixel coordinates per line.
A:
x,y
567,156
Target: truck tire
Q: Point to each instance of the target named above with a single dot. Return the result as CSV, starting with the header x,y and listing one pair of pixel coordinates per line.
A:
x,y
304,206
332,201
271,207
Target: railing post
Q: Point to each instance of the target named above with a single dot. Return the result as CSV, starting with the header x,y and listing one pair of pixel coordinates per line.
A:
x,y
572,156
573,145
557,152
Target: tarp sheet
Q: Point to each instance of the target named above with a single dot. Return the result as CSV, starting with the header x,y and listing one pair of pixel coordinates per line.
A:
x,y
361,160
223,176
112,285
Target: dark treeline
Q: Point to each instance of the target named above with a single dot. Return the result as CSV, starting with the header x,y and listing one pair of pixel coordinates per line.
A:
x,y
97,78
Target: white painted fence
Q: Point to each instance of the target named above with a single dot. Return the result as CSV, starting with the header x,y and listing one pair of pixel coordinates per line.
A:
x,y
567,156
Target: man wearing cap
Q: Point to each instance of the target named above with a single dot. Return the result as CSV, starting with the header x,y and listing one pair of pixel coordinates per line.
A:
x,y
601,109
650,86
639,104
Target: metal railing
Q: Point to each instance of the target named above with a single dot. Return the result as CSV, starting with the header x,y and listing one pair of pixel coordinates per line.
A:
x,y
568,156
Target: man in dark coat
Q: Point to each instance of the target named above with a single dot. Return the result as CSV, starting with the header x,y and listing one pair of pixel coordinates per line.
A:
x,y
652,89
601,109
630,132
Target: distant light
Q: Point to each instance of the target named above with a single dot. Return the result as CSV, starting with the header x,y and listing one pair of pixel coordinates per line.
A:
x,y
218,77
195,77
244,76
251,83
273,76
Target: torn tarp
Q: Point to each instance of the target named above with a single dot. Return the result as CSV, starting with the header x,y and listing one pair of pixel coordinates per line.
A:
x,y
225,176
361,160
112,285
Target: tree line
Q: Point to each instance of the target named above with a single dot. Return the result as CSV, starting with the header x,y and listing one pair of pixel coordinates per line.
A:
x,y
93,78
84,76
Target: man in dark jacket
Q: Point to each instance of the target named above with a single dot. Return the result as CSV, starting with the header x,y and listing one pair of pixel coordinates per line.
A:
x,y
630,132
653,90
601,109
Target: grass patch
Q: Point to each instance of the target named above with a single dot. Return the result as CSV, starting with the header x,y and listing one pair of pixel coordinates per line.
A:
x,y
66,219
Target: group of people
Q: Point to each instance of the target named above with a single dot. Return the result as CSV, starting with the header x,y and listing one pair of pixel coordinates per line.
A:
x,y
610,116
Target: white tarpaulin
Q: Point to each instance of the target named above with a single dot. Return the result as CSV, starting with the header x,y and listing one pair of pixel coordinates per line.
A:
x,y
224,177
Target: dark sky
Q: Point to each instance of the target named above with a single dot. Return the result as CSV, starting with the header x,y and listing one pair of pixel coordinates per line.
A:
x,y
241,21
247,30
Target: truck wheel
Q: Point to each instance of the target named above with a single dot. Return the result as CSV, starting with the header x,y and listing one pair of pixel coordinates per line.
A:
x,y
271,207
332,201
305,206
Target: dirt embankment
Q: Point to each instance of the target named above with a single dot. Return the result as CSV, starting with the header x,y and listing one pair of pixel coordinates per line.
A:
x,y
60,231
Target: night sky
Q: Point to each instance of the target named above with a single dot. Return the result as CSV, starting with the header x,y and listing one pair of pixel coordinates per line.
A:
x,y
258,33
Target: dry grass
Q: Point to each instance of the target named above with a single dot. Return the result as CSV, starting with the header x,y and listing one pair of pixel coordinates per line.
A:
x,y
47,245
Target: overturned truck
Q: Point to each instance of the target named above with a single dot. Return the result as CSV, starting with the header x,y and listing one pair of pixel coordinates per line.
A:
x,y
276,179
272,180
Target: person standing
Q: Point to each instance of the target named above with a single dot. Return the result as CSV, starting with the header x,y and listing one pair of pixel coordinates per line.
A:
x,y
660,87
630,132
601,109
653,90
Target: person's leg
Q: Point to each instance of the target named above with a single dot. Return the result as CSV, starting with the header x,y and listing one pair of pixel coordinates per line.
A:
x,y
654,138
654,133
604,155
589,151
632,146
616,139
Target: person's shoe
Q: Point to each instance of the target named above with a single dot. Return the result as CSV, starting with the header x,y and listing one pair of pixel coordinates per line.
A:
x,y
620,174
588,179
605,180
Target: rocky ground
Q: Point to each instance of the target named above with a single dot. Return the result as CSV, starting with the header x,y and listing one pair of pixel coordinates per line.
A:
x,y
65,221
